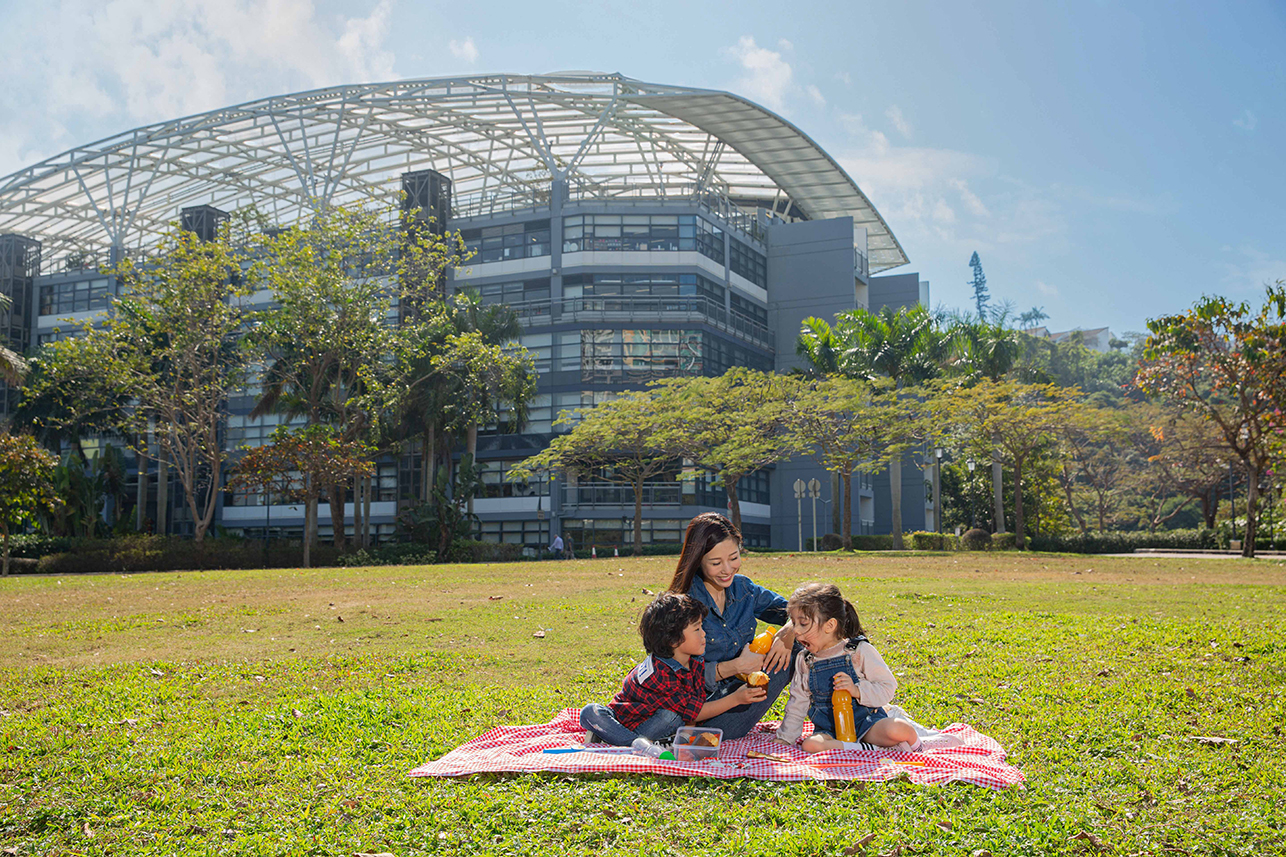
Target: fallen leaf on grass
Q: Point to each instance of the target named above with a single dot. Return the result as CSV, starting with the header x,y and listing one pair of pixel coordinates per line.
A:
x,y
1104,672
339,618
155,671
434,619
494,597
647,591
1211,740
250,630
981,852
945,825
9,849
539,634
260,678
859,845
1089,839
295,712
373,854
897,849
89,833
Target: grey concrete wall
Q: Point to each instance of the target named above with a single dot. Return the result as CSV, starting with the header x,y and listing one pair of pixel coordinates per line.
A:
x,y
810,273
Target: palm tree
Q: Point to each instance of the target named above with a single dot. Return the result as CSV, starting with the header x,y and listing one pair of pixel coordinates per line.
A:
x,y
12,367
989,349
908,346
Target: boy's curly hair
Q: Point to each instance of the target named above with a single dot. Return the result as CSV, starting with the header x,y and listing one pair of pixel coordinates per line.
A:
x,y
665,620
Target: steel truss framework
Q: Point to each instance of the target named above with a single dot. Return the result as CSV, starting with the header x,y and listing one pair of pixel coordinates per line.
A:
x,y
501,139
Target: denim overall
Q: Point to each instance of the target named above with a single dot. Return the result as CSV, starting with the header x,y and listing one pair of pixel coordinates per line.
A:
x,y
821,675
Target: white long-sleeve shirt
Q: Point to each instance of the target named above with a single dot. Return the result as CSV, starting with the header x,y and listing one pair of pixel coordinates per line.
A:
x,y
875,684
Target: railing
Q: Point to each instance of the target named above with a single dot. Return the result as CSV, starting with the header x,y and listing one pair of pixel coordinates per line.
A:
x,y
643,310
591,494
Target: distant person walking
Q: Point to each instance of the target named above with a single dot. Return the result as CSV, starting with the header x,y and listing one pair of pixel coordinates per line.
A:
x,y
570,552
556,549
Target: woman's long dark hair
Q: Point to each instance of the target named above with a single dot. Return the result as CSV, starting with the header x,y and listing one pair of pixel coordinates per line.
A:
x,y
704,532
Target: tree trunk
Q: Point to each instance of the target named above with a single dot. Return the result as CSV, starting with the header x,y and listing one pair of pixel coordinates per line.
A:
x,y
837,508
1209,507
1071,504
847,524
638,517
998,494
310,521
358,483
426,465
366,516
337,516
895,496
4,530
162,492
1252,511
140,496
1018,504
471,448
734,504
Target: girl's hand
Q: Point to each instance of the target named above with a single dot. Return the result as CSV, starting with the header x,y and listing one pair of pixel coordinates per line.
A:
x,y
778,657
747,694
844,681
746,662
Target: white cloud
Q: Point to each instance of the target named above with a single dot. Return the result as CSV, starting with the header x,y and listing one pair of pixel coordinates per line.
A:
x,y
785,44
844,78
899,121
1250,270
1046,289
89,68
465,50
768,77
816,95
1246,121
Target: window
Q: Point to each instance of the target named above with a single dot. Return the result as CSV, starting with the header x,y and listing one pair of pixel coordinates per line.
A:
x,y
748,263
652,284
749,309
80,296
495,481
511,293
503,243
752,488
534,534
642,232
632,355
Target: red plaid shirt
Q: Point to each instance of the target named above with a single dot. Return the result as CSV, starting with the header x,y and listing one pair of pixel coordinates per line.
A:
x,y
666,685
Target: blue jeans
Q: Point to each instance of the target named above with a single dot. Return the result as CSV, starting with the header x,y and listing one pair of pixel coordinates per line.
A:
x,y
599,719
737,722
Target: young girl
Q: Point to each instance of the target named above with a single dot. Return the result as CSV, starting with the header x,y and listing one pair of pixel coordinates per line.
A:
x,y
837,656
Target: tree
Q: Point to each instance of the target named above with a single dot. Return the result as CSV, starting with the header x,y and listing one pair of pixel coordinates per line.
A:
x,y
1185,456
26,486
299,465
1226,362
12,366
175,346
627,441
732,425
1097,457
979,285
849,426
905,345
1009,419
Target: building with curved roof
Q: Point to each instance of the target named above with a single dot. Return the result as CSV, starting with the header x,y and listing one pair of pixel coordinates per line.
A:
x,y
641,230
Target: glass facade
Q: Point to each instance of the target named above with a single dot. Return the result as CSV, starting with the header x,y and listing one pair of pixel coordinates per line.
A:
x,y
501,243
79,296
642,232
748,262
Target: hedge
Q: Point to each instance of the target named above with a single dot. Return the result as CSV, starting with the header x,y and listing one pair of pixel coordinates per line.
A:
x,y
1115,542
159,553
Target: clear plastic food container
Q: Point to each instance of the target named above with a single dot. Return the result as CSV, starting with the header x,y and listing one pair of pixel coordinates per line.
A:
x,y
694,743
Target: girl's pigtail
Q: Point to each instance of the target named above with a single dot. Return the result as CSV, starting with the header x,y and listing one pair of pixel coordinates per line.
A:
x,y
852,624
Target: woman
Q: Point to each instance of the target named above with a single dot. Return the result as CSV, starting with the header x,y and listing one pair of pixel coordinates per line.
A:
x,y
707,571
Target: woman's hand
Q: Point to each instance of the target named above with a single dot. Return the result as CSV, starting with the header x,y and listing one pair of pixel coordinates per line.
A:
x,y
747,694
778,657
844,681
746,662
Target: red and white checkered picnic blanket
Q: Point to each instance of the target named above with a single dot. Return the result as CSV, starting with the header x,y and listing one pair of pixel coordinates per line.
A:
x,y
971,757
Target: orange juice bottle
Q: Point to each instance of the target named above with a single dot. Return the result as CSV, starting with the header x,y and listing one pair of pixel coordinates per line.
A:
x,y
842,710
760,645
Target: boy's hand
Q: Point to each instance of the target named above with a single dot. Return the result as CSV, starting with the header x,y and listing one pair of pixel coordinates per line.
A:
x,y
844,681
747,694
747,661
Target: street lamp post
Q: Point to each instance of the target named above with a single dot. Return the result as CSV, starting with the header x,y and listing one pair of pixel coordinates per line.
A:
x,y
973,506
814,491
937,490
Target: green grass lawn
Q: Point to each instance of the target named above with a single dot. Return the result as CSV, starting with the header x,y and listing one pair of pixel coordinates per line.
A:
x,y
277,712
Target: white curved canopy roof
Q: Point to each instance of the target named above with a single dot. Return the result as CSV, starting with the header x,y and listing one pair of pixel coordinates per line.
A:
x,y
500,138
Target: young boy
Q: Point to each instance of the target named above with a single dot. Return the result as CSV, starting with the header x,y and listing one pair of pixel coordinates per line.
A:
x,y
668,689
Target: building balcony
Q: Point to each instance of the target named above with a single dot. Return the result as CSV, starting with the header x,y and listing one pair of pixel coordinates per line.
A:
x,y
643,310
594,495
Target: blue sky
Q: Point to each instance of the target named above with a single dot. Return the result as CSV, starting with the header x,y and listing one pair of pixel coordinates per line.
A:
x,y
1109,162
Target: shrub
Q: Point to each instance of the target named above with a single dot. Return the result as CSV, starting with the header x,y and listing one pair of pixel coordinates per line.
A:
x,y
976,540
1004,541
925,541
172,553
1118,542
873,543
832,542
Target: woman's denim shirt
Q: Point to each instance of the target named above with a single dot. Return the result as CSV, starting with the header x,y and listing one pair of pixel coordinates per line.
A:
x,y
727,633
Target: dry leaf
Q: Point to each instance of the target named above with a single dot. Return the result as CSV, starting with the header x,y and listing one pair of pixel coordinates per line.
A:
x,y
260,678
1104,672
373,854
1192,694
1212,740
897,849
9,849
494,597
434,619
1089,838
976,701
647,591
539,634
339,618
155,671
296,712
88,832
250,630
981,852
945,825
858,846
